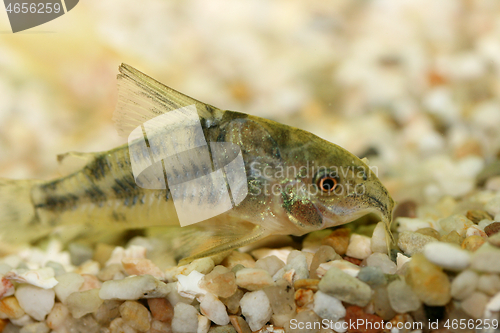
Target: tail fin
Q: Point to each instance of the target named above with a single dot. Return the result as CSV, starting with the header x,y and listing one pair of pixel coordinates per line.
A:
x,y
18,221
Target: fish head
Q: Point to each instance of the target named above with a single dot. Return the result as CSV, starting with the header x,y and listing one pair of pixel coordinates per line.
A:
x,y
334,188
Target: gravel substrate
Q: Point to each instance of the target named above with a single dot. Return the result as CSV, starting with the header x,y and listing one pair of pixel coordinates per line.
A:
x,y
412,85
444,268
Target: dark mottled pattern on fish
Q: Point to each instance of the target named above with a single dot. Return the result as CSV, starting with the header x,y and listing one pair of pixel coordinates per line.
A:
x,y
99,168
59,202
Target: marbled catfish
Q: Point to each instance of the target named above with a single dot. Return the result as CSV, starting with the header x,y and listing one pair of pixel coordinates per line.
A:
x,y
232,178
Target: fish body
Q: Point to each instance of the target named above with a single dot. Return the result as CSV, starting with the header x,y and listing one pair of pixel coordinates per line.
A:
x,y
291,182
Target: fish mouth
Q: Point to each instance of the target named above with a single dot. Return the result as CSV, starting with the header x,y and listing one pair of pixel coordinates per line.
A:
x,y
382,207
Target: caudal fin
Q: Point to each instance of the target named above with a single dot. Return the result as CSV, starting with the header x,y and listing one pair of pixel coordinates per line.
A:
x,y
18,221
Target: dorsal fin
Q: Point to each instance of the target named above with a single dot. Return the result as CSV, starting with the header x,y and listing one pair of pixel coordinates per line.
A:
x,y
141,98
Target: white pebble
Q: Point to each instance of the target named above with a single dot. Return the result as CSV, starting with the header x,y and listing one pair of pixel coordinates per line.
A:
x,y
256,309
271,264
35,301
382,261
401,259
57,316
203,324
82,303
188,286
42,277
475,304
214,309
493,206
475,231
119,253
489,284
457,222
411,224
378,241
464,284
297,261
492,306
359,247
23,321
68,284
90,267
253,278
185,319
447,255
344,265
174,297
328,307
135,287
202,265
281,254
340,326
35,328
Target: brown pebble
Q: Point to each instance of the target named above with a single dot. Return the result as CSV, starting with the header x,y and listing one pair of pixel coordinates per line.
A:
x,y
306,284
233,303
428,281
492,229
355,313
220,281
325,253
476,215
3,323
339,240
161,309
472,243
429,232
452,237
141,266
354,261
469,147
102,253
239,324
381,304
135,315
11,308
108,311
406,208
304,298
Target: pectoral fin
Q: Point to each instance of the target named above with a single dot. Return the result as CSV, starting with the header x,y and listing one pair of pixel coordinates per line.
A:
x,y
212,237
301,210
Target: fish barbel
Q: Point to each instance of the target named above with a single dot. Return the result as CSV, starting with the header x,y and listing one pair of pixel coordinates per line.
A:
x,y
227,177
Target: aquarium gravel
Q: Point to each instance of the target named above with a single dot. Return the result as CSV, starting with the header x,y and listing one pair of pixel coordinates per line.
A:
x,y
412,85
443,271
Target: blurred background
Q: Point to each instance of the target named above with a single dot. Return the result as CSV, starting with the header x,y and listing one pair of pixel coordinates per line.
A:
x,y
413,85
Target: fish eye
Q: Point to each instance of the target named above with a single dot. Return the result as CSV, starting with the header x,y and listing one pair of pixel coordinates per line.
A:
x,y
327,183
